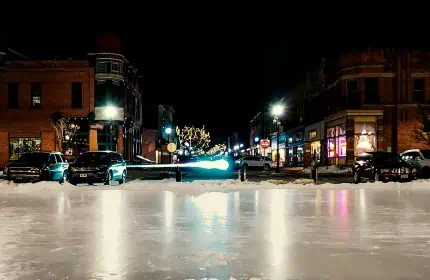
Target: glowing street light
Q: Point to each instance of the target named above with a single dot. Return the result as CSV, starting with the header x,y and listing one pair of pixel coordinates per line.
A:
x,y
277,110
168,130
110,112
229,150
241,145
236,147
256,139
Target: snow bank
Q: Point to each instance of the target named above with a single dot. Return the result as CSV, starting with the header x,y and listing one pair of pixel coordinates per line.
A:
x,y
331,169
46,188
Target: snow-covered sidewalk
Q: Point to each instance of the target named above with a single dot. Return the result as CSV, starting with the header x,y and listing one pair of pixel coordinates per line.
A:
x,y
202,186
329,170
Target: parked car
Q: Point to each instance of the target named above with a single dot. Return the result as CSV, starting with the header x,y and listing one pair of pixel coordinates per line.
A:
x,y
382,166
97,167
420,159
257,162
38,166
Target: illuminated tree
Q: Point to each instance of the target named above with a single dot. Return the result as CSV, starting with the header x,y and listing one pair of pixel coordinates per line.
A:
x,y
65,129
421,132
218,148
193,140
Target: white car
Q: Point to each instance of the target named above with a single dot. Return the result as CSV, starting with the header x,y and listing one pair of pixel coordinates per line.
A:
x,y
257,162
420,159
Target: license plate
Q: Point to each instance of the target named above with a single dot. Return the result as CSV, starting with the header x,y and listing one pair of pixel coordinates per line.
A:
x,y
404,176
83,175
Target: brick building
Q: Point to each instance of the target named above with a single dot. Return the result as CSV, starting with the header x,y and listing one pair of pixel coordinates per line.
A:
x,y
36,93
368,100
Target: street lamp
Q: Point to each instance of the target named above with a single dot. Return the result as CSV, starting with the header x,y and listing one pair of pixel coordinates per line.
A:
x,y
241,145
256,139
110,112
168,130
277,111
236,147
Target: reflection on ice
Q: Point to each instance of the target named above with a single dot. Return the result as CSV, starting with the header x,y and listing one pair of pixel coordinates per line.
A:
x,y
213,207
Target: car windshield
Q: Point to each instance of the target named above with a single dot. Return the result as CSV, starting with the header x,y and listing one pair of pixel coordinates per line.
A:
x,y
426,154
93,159
34,158
386,157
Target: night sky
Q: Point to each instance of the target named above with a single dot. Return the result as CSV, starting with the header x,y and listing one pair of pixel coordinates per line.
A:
x,y
211,72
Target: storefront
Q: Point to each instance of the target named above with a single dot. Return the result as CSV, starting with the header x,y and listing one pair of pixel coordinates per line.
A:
x,y
20,145
314,138
295,146
351,133
282,149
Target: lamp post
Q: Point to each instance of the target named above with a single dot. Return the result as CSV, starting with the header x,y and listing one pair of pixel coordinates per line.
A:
x,y
168,131
277,111
110,112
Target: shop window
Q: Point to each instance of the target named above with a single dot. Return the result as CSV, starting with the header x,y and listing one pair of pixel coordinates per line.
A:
x,y
372,91
316,150
19,145
12,95
364,138
312,134
76,95
418,91
36,95
336,141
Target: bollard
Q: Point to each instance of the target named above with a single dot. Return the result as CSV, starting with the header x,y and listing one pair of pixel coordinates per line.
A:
x,y
242,174
314,175
178,174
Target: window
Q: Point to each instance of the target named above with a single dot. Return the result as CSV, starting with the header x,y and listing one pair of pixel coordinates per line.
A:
x,y
101,67
312,134
336,141
116,157
18,146
353,93
76,95
63,158
52,159
108,67
57,156
36,95
115,67
411,156
372,91
418,91
364,138
12,96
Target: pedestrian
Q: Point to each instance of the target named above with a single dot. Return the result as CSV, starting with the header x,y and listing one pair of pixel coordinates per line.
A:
x,y
314,167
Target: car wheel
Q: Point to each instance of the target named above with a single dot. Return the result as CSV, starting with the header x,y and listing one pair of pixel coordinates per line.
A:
x,y
267,167
356,178
45,176
108,180
245,166
63,178
425,173
122,180
376,177
73,183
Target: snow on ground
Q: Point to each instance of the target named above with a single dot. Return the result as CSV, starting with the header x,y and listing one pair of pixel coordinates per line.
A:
x,y
203,186
332,169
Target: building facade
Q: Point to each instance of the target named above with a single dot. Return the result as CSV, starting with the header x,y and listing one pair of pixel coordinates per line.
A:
x,y
369,100
70,105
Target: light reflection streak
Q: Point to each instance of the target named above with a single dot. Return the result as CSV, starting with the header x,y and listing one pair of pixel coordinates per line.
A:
x,y
277,227
257,202
317,203
331,202
168,208
213,207
111,224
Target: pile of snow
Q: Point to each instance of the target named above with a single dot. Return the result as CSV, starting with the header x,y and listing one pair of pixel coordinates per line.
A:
x,y
331,169
199,186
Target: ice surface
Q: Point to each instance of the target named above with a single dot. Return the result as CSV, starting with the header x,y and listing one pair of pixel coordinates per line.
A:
x,y
215,230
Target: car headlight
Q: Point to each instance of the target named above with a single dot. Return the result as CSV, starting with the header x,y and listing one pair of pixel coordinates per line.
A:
x,y
35,170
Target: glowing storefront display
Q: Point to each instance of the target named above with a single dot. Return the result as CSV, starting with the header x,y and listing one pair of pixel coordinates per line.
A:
x,y
364,138
336,141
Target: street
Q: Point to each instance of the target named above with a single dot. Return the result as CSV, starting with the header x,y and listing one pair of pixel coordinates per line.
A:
x,y
215,229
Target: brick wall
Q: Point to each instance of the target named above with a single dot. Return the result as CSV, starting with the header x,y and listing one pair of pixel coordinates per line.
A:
x,y
56,78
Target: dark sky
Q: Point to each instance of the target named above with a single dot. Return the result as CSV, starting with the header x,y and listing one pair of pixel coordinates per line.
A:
x,y
216,73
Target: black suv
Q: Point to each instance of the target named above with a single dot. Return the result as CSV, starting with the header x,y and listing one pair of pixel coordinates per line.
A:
x,y
97,167
382,166
38,166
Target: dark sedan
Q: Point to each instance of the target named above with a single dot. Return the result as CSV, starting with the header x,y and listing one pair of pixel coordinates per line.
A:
x,y
98,167
382,166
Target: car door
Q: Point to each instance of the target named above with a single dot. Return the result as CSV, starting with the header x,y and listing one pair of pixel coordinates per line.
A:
x,y
362,165
54,168
116,165
65,163
368,167
62,164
